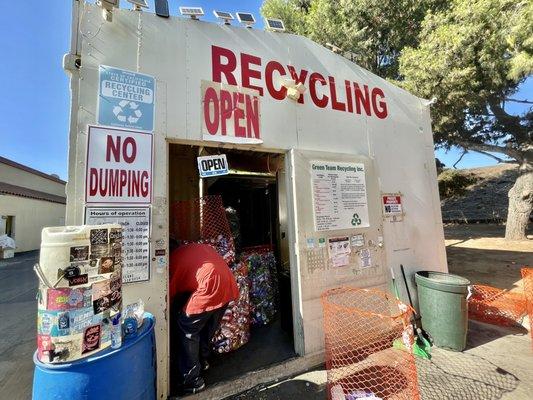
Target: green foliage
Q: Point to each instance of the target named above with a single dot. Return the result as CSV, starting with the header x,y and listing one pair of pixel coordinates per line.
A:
x,y
453,183
374,31
472,57
291,12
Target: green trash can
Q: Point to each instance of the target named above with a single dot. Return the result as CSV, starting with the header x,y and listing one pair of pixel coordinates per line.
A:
x,y
443,307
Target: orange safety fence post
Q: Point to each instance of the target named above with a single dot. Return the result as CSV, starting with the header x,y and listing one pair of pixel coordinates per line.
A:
x,y
496,306
368,341
527,277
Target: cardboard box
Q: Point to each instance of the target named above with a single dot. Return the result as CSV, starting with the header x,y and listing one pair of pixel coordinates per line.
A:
x,y
7,253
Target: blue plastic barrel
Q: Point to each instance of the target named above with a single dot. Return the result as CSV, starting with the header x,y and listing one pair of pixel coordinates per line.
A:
x,y
128,372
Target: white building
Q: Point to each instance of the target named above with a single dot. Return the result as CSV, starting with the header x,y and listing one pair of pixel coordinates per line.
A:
x,y
349,159
29,201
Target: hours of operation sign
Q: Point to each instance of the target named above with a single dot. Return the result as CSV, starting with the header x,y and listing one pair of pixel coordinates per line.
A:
x,y
135,223
339,195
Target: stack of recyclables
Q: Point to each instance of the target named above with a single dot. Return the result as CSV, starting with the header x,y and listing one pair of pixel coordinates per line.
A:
x,y
222,244
234,330
80,291
263,283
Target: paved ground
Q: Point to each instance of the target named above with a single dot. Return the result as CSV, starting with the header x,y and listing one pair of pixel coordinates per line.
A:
x,y
18,285
498,364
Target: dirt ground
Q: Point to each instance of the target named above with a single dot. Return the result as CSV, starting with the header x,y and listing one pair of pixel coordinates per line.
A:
x,y
497,363
479,253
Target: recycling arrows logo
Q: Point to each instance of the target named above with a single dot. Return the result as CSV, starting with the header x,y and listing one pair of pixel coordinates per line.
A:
x,y
356,220
127,111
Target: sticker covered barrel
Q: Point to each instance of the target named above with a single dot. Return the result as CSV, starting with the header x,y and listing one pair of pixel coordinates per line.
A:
x,y
128,372
80,291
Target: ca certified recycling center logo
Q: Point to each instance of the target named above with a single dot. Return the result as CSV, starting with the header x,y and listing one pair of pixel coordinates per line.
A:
x,y
127,111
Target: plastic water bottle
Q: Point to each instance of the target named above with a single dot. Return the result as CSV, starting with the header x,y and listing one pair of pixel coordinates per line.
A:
x,y
130,327
116,332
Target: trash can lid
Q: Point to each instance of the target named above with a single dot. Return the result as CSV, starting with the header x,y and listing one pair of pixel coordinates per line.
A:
x,y
442,281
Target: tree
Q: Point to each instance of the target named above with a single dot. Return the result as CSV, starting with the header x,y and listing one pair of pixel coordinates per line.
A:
x,y
373,32
472,57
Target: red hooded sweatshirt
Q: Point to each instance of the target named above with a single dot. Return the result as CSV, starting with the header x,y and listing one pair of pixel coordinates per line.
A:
x,y
198,270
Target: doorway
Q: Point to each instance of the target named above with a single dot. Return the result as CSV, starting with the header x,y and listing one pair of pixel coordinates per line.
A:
x,y
253,196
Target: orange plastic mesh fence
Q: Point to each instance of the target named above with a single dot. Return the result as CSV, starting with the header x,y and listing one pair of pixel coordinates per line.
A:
x,y
496,306
368,341
527,277
203,220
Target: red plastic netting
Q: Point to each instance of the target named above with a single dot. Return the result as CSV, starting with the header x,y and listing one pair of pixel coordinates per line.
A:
x,y
496,306
527,277
368,341
203,220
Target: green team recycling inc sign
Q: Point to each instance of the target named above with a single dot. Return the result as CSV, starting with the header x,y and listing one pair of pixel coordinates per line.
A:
x,y
339,195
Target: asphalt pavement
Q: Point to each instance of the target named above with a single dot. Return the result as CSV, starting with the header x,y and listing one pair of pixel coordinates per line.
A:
x,y
18,313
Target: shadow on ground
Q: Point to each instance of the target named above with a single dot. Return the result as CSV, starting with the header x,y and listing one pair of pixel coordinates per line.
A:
x,y
476,231
453,375
295,389
480,333
448,375
501,269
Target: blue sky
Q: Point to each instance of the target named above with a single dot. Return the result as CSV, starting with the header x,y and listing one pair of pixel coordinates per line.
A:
x,y
34,106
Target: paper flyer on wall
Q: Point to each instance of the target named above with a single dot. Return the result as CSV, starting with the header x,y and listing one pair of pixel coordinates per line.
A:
x,y
339,251
135,222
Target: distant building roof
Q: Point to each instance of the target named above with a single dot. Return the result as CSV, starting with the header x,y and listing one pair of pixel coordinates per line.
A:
x,y
13,190
14,164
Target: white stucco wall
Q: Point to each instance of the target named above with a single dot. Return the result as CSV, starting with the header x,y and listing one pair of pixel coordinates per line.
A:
x,y
31,216
18,177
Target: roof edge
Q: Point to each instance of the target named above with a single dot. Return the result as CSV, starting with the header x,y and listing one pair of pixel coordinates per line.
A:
x,y
19,191
30,170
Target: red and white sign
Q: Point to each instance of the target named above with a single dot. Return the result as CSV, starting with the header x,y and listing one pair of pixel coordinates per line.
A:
x,y
325,92
230,114
392,204
119,166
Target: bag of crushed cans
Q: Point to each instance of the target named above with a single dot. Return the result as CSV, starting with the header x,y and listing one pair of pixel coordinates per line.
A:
x,y
234,330
262,273
222,244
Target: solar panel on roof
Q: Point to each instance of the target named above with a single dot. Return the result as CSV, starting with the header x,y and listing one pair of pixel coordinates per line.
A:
x,y
223,15
245,17
161,8
191,11
140,3
275,24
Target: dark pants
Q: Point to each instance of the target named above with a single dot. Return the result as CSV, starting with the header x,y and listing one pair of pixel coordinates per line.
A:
x,y
194,340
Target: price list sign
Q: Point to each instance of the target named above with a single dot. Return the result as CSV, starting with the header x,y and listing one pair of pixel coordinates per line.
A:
x,y
135,222
339,195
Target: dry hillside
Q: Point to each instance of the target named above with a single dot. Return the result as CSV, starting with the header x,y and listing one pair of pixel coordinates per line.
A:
x,y
483,200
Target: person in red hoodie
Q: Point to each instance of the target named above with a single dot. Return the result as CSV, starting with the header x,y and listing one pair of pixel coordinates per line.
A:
x,y
200,277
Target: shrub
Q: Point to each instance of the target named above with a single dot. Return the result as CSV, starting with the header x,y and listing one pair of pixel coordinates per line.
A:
x,y
454,183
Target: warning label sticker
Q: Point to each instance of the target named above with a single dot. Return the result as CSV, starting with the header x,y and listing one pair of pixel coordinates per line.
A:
x,y
392,204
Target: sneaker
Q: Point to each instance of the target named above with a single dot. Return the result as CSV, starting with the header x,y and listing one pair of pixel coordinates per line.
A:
x,y
196,387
